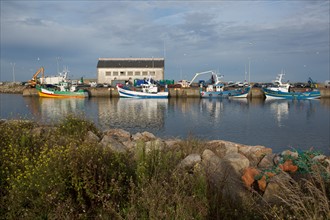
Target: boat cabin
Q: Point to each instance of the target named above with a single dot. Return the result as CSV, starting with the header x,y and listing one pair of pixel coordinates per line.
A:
x,y
215,88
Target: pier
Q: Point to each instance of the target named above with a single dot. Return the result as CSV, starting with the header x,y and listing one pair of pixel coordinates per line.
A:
x,y
192,92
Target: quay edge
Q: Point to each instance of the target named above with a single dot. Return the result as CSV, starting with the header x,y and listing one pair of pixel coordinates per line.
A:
x,y
255,93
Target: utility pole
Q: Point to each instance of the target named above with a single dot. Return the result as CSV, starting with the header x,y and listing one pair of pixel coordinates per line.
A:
x,y
249,69
58,70
13,65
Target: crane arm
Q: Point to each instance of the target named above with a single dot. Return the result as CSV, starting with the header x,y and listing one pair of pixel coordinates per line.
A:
x,y
33,81
201,73
40,70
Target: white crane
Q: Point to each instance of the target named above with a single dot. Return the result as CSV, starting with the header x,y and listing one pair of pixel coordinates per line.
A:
x,y
216,77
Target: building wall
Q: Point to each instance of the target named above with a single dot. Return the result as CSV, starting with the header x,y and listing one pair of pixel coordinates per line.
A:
x,y
110,69
107,75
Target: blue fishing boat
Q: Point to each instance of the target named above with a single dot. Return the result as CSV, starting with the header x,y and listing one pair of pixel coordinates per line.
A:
x,y
217,91
281,90
312,94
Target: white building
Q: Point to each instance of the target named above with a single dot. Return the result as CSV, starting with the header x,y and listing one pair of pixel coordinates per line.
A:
x,y
109,69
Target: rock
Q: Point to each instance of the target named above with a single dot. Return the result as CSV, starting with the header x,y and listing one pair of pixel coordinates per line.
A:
x,y
172,143
254,153
136,137
190,161
277,159
267,161
118,134
207,155
293,154
238,161
275,188
91,137
222,148
319,158
327,162
232,186
144,136
113,144
211,164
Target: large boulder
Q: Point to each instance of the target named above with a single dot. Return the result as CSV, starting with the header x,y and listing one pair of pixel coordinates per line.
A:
x,y
113,144
91,137
222,148
172,143
211,164
118,134
267,161
276,188
144,136
237,161
231,168
254,153
190,161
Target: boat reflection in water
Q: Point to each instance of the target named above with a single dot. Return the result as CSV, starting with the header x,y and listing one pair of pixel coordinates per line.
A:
x,y
47,110
134,115
279,109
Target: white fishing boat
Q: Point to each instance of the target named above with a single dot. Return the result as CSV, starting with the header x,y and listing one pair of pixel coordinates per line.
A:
x,y
281,90
147,90
278,85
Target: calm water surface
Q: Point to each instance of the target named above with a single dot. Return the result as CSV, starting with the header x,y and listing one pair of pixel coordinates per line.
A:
x,y
279,124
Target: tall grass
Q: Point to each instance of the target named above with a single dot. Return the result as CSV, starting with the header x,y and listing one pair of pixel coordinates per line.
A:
x,y
53,173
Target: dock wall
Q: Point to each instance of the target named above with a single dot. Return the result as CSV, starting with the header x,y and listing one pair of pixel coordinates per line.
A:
x,y
255,93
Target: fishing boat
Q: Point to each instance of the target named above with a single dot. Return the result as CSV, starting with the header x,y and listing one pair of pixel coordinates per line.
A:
x,y
217,91
282,90
63,90
311,94
278,85
146,90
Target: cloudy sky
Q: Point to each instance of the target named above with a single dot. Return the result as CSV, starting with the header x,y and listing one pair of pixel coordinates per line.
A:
x,y
193,36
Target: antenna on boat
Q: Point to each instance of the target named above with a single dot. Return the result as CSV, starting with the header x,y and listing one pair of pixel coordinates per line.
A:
x,y
249,68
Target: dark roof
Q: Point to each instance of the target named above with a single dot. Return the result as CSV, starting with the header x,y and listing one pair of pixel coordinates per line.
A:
x,y
131,63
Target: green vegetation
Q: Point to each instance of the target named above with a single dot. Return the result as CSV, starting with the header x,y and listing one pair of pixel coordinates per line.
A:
x,y
54,173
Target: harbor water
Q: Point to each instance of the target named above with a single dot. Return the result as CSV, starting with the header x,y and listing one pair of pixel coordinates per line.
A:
x,y
278,124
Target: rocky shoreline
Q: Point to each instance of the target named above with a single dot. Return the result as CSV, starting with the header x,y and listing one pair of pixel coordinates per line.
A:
x,y
239,168
240,174
14,88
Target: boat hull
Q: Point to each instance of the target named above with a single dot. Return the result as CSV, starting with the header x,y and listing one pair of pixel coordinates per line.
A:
x,y
236,93
43,92
137,94
292,95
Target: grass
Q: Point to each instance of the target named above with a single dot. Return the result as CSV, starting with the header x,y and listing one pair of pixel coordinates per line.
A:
x,y
53,173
